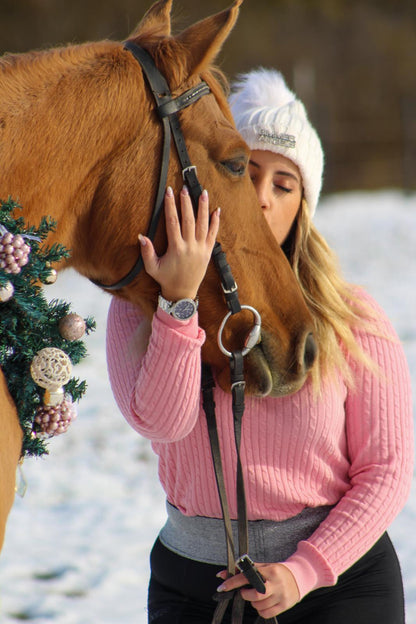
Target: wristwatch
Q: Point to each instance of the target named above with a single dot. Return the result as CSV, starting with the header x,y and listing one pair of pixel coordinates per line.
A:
x,y
183,310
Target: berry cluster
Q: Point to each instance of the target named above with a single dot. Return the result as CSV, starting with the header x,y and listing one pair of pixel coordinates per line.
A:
x,y
14,252
51,420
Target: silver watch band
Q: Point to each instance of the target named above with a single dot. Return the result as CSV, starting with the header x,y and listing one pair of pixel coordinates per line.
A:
x,y
183,309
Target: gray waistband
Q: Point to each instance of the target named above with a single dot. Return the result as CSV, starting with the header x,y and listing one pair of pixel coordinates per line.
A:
x,y
203,539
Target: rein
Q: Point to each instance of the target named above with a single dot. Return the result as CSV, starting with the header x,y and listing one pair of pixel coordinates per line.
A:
x,y
167,108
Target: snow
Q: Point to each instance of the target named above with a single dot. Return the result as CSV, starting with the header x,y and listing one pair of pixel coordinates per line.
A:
x,y
77,544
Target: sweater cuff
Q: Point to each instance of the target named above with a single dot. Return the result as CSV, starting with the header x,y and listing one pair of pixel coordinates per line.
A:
x,y
188,328
310,569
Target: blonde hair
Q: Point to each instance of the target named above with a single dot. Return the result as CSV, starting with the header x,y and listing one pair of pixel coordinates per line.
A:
x,y
331,300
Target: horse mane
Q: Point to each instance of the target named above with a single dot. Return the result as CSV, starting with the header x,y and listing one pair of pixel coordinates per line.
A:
x,y
25,77
24,72
36,63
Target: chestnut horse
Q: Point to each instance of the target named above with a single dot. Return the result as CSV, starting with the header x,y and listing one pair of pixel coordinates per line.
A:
x,y
80,141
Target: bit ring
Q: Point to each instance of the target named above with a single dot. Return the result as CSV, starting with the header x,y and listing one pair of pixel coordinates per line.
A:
x,y
252,339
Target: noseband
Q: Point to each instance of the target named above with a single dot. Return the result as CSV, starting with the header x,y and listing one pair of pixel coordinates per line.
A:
x,y
167,108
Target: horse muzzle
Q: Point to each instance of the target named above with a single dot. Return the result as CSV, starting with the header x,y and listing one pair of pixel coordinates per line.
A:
x,y
267,375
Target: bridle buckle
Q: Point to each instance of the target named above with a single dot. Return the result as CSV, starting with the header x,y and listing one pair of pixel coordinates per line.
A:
x,y
238,385
229,291
187,170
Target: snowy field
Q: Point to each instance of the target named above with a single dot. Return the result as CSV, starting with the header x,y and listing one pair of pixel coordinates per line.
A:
x,y
77,544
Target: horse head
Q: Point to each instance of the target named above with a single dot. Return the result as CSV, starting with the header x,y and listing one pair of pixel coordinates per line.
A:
x,y
80,141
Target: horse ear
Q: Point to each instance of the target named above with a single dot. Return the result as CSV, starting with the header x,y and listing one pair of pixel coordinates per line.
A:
x,y
155,22
204,39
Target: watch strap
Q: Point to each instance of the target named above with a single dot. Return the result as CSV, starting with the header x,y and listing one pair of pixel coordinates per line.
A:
x,y
175,308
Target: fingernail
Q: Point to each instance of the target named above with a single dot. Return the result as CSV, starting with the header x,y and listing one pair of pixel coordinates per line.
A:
x,y
169,191
221,588
204,195
219,575
142,240
185,190
219,211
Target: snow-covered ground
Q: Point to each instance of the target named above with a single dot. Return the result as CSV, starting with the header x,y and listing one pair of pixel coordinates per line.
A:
x,y
77,544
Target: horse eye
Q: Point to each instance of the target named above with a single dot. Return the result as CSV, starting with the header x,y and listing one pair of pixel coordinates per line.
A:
x,y
236,166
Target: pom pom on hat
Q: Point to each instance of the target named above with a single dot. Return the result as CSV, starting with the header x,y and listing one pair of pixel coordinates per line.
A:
x,y
270,117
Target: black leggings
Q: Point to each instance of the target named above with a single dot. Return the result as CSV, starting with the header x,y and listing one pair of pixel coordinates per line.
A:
x,y
370,592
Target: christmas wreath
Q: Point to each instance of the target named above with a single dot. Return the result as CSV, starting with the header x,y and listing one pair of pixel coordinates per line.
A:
x,y
39,340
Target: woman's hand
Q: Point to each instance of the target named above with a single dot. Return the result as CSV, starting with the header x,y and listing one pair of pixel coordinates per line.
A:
x,y
281,589
180,271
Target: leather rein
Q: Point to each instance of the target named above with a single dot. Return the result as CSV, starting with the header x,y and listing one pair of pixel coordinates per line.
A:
x,y
167,108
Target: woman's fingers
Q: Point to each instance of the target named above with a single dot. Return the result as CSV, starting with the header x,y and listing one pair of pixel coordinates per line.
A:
x,y
150,258
181,269
173,226
213,228
187,216
189,229
281,589
202,221
199,229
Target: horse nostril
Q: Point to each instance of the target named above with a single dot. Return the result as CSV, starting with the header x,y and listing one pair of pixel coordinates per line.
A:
x,y
311,351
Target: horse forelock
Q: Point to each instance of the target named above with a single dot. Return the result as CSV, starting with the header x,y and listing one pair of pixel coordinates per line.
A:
x,y
169,57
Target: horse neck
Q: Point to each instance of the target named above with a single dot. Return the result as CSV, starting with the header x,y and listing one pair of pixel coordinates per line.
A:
x,y
63,114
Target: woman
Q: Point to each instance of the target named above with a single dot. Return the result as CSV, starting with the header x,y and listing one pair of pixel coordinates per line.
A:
x,y
328,468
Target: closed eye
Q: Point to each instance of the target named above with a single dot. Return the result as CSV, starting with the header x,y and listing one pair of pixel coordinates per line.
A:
x,y
280,187
236,166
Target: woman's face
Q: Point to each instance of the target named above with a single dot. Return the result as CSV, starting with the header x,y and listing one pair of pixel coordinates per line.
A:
x,y
278,185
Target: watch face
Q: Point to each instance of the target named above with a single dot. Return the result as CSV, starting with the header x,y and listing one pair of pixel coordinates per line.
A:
x,y
184,309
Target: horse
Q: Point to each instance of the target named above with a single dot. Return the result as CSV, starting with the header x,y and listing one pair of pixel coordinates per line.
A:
x,y
80,141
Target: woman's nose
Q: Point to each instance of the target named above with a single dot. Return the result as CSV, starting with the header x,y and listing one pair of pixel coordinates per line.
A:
x,y
263,195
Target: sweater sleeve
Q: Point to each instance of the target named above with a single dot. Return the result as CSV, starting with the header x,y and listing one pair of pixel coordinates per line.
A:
x,y
154,370
379,431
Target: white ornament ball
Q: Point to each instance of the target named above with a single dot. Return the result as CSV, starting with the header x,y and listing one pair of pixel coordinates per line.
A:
x,y
72,326
6,292
51,368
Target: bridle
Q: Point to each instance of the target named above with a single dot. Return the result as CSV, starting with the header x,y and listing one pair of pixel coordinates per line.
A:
x,y
167,108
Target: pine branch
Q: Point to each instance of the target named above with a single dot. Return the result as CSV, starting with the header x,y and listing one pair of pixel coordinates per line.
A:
x,y
29,323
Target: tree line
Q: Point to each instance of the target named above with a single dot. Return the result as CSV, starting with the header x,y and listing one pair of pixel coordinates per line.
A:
x,y
352,63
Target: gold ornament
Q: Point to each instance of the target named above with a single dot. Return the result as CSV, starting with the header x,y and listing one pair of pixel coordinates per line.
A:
x,y
51,278
6,292
72,326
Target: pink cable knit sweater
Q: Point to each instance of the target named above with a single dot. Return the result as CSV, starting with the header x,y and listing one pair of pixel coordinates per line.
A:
x,y
349,449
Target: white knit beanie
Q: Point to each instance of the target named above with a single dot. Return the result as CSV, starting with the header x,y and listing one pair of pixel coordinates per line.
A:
x,y
270,117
